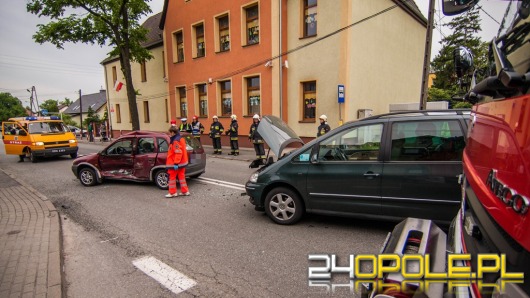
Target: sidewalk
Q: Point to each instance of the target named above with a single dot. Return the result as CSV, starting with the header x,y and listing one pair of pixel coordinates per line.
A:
x,y
30,247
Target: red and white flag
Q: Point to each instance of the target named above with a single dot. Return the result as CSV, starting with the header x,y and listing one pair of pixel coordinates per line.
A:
x,y
118,86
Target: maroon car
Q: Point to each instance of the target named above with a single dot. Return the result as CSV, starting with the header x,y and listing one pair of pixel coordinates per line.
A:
x,y
137,156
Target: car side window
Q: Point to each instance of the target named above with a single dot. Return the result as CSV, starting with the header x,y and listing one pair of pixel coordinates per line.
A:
x,y
441,140
146,145
356,143
163,146
121,148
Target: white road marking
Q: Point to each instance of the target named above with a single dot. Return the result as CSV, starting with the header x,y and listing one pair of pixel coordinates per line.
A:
x,y
170,278
222,183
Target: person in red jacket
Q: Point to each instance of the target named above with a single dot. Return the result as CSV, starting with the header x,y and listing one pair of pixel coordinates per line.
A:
x,y
176,162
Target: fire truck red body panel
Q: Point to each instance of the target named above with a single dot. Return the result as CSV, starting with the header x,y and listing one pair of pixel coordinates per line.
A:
x,y
497,163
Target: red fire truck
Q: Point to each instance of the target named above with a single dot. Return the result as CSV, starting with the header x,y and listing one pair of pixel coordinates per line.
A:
x,y
490,235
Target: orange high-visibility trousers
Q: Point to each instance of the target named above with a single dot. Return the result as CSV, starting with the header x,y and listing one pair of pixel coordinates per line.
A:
x,y
179,174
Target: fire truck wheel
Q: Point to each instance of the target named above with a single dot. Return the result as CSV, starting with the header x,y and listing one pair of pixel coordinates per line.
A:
x,y
87,177
284,206
73,155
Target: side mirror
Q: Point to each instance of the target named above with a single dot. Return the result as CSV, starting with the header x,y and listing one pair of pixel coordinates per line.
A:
x,y
463,60
454,7
314,158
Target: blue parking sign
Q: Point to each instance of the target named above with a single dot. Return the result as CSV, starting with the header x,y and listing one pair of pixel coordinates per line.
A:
x,y
341,93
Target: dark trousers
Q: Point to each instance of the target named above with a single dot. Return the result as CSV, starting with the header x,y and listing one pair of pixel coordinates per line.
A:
x,y
216,142
260,150
234,145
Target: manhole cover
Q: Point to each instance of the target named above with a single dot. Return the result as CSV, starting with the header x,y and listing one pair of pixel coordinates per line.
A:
x,y
13,232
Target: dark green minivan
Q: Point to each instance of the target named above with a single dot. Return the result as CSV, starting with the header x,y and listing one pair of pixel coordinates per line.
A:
x,y
389,166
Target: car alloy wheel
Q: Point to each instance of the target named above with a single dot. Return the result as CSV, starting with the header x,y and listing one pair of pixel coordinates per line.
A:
x,y
87,176
284,206
161,179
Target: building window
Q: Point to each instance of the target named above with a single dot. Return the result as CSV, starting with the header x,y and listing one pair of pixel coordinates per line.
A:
x,y
203,100
183,102
252,24
224,33
309,100
118,114
146,111
199,40
143,71
167,110
310,18
163,65
253,95
226,98
114,75
178,47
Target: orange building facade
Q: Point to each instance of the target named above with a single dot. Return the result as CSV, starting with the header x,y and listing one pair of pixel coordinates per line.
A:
x,y
218,55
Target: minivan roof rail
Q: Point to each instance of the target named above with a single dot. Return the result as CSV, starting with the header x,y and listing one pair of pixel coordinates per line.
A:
x,y
421,113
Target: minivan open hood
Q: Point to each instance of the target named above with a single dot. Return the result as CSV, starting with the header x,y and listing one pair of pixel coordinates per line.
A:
x,y
277,134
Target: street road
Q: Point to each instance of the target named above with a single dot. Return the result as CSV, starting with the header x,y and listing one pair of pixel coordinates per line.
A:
x,y
214,237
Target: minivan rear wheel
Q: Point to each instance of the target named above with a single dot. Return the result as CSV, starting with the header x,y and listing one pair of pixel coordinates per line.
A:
x,y
284,206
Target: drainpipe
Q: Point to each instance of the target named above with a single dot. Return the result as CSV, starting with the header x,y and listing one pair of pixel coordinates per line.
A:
x,y
280,64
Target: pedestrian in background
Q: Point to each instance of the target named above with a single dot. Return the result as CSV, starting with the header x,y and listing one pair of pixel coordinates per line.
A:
x,y
196,128
184,125
233,132
174,122
103,131
323,128
256,138
90,132
176,162
216,129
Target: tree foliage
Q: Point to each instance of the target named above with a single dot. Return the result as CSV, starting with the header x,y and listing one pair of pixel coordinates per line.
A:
x,y
66,102
465,29
50,105
10,107
91,117
110,22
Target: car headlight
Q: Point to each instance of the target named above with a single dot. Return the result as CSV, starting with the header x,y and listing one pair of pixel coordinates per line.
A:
x,y
39,143
254,178
72,141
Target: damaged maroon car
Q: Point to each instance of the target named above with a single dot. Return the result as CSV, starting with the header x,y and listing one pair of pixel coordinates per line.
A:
x,y
137,156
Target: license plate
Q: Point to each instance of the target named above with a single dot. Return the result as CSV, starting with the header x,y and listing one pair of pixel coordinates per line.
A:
x,y
58,150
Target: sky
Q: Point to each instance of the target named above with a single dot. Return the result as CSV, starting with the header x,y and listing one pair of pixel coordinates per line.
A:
x,y
59,74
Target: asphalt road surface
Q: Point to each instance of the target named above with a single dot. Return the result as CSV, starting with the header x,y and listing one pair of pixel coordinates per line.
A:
x,y
210,244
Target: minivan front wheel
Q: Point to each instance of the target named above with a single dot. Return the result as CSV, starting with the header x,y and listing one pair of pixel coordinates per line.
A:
x,y
284,206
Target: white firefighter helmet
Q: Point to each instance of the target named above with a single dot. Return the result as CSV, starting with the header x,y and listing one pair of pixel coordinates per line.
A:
x,y
183,119
256,116
234,117
324,117
215,117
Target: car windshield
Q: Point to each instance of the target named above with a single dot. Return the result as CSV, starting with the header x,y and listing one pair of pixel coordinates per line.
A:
x,y
47,127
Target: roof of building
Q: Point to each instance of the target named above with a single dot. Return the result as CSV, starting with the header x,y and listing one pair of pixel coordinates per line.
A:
x,y
95,101
407,5
154,35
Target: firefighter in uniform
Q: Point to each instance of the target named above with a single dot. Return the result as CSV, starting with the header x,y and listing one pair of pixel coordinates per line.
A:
x,y
176,162
233,132
324,127
196,128
256,138
185,126
216,129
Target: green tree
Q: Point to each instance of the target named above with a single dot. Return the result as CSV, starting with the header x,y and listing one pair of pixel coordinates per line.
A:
x,y
50,105
109,22
67,119
91,117
66,102
10,107
465,29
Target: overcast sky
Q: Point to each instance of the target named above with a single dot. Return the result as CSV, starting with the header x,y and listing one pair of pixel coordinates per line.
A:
x,y
57,74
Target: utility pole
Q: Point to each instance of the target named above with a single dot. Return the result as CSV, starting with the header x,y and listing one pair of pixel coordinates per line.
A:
x,y
81,113
427,57
32,103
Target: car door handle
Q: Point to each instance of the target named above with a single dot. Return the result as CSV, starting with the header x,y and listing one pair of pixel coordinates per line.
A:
x,y
371,175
